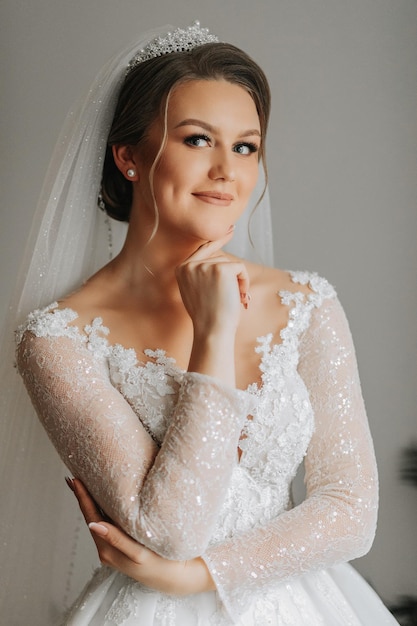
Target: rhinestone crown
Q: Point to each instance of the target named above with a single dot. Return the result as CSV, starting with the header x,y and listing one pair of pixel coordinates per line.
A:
x,y
180,40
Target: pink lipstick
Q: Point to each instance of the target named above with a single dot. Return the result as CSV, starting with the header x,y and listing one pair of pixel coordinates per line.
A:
x,y
214,197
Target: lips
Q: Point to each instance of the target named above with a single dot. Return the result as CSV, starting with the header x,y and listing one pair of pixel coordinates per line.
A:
x,y
214,197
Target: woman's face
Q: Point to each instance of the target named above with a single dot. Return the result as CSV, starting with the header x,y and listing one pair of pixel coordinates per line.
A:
x,y
209,165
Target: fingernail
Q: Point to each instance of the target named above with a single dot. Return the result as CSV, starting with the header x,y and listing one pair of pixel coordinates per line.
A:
x,y
99,529
69,482
246,298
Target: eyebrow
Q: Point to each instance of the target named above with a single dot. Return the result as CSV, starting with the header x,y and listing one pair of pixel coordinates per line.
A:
x,y
213,129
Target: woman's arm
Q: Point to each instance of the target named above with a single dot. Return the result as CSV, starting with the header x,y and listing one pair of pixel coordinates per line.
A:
x,y
337,520
119,551
167,499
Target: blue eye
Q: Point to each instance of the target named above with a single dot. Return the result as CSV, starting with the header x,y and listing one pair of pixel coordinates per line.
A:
x,y
199,141
245,148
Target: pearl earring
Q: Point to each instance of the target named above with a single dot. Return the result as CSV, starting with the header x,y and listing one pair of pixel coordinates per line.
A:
x,y
131,173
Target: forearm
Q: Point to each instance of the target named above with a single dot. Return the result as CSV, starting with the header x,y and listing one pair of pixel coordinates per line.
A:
x,y
337,521
213,288
194,467
197,578
119,551
213,355
166,498
323,531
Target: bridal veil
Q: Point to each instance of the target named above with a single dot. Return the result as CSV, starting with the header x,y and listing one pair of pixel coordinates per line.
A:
x,y
46,552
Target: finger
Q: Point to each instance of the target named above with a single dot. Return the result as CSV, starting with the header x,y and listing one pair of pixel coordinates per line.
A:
x,y
119,540
87,505
217,259
244,284
209,248
235,268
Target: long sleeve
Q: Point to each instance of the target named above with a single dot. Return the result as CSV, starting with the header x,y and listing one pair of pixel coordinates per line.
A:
x,y
337,520
161,497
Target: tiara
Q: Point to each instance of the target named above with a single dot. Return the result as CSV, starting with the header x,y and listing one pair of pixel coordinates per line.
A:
x,y
180,40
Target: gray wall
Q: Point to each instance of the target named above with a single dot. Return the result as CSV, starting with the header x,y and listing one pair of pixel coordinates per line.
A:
x,y
342,159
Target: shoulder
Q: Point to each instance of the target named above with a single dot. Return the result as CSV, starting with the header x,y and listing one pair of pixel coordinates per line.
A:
x,y
283,301
316,287
50,340
309,284
73,316
50,321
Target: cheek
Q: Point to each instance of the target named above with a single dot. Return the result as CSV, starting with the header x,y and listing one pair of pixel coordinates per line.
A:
x,y
175,172
251,178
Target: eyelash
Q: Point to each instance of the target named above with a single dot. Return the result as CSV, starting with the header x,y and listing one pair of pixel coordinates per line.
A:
x,y
193,138
248,144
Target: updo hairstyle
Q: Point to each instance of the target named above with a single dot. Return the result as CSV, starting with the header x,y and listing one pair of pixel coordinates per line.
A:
x,y
143,98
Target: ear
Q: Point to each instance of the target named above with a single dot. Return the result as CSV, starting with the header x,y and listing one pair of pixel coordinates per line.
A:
x,y
125,161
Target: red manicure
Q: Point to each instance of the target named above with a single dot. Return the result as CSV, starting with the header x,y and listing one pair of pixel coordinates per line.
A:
x,y
69,482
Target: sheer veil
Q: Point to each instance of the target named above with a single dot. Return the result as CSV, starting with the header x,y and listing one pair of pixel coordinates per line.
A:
x,y
43,563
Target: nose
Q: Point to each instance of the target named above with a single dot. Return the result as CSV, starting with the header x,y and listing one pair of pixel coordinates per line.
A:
x,y
222,167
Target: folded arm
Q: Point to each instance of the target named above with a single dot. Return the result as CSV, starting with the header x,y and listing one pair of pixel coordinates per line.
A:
x,y
334,524
161,497
337,520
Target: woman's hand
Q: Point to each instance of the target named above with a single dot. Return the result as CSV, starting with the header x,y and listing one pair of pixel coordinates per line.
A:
x,y
119,551
213,288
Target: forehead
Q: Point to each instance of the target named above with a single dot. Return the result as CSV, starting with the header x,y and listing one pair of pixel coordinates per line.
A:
x,y
212,100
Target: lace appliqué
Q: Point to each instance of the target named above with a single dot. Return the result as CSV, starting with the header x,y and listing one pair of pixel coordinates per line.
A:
x,y
313,405
50,322
275,446
308,402
151,388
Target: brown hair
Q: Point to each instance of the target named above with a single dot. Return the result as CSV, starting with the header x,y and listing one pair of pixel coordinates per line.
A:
x,y
143,98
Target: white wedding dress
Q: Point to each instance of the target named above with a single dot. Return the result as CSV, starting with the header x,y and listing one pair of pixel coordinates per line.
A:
x,y
157,447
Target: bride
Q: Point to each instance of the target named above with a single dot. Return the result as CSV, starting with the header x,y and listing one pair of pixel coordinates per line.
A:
x,y
181,384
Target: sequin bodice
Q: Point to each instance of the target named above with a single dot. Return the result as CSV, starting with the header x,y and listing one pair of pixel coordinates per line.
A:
x,y
157,445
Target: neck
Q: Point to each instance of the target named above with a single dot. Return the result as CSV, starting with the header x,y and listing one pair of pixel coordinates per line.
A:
x,y
148,267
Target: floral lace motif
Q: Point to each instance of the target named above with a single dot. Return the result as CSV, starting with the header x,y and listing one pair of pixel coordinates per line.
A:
x,y
238,515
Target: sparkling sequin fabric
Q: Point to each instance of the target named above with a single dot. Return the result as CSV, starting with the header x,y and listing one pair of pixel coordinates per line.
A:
x,y
157,447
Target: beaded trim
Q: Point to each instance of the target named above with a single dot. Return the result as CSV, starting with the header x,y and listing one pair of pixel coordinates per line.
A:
x,y
180,40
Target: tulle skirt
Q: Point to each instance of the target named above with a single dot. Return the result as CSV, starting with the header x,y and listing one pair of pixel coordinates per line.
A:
x,y
338,596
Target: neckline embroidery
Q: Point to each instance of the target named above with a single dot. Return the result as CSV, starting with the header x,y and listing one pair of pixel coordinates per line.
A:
x,y
95,333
